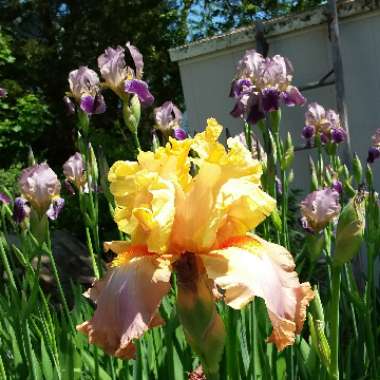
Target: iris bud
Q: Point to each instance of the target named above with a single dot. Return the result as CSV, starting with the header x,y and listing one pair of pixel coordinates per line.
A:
x,y
197,313
357,169
350,230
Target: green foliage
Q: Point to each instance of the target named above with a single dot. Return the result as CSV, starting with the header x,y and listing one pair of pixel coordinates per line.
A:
x,y
9,177
5,51
209,17
21,124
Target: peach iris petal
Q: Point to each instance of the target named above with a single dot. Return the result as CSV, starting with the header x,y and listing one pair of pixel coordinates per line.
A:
x,y
255,267
127,300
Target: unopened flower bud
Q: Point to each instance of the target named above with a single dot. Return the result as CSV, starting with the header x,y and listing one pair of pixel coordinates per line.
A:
x,y
357,168
350,230
196,309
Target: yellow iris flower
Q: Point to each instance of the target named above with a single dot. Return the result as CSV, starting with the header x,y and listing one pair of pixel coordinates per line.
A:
x,y
192,196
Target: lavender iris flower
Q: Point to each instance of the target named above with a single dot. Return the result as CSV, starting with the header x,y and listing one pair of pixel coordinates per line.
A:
x,y
323,123
121,78
319,208
85,89
40,187
74,171
168,120
3,92
262,85
374,150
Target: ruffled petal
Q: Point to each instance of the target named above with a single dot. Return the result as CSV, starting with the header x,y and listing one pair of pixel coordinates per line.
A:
x,y
145,208
127,299
246,267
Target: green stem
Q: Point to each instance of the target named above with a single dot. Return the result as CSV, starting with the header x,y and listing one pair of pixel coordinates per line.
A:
x,y
136,140
49,252
92,255
231,346
334,321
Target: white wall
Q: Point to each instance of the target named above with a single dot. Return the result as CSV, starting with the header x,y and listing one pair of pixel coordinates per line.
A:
x,y
206,82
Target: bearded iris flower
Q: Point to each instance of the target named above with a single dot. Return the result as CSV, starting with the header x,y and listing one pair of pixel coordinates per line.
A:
x,y
168,120
319,208
40,189
197,225
121,78
74,171
85,89
262,85
323,123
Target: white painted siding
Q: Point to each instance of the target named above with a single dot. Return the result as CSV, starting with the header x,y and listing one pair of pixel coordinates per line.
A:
x,y
207,70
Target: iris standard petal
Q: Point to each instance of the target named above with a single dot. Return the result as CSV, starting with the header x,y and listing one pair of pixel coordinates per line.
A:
x,y
246,267
137,59
145,209
127,300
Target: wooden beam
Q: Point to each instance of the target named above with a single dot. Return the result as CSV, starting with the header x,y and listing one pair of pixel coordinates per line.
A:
x,y
339,75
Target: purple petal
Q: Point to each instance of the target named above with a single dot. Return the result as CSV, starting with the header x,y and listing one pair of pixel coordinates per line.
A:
x,y
308,132
55,208
338,135
69,105
270,100
337,186
238,110
255,110
292,97
179,134
4,199
93,104
21,210
137,59
373,154
240,86
141,89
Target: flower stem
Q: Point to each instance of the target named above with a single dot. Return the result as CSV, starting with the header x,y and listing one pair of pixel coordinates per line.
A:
x,y
136,140
334,320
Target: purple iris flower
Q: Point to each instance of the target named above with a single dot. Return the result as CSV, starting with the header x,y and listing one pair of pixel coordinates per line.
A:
x,y
319,208
40,187
74,171
85,89
122,78
167,117
262,85
3,92
323,123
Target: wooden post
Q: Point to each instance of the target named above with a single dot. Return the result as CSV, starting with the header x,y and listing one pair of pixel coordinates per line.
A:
x,y
339,76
